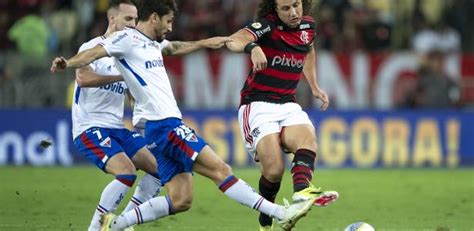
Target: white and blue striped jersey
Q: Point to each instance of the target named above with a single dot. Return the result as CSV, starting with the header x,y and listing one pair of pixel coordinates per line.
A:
x,y
98,107
139,60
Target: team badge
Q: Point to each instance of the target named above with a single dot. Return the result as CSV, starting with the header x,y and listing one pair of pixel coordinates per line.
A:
x,y
191,137
304,37
256,25
106,143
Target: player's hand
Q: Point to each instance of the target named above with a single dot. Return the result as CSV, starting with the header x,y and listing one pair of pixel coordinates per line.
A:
x,y
259,60
320,94
59,64
216,42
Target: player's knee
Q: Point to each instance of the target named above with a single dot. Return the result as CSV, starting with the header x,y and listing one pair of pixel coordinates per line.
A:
x,y
310,145
151,168
129,169
182,204
274,173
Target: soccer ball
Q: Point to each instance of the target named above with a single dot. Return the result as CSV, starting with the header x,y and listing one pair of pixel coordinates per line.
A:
x,y
359,226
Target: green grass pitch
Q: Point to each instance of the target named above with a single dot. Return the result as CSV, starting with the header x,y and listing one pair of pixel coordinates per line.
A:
x,y
398,199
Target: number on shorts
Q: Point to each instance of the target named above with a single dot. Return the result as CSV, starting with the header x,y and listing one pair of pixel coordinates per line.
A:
x,y
97,132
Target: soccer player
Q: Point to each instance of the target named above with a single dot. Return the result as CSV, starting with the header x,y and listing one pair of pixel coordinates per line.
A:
x,y
98,128
179,150
280,42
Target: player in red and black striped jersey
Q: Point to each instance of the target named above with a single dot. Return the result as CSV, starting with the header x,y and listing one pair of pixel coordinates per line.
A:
x,y
280,42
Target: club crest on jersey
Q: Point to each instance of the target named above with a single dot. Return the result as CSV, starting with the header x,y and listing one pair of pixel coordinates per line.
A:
x,y
256,25
106,143
191,137
304,37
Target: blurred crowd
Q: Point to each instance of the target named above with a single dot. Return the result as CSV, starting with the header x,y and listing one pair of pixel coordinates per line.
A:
x,y
43,28
343,25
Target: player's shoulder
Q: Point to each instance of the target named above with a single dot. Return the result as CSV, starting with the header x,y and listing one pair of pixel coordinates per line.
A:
x,y
308,19
263,24
91,43
122,36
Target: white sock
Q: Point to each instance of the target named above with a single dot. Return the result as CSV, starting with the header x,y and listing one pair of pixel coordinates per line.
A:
x,y
109,201
151,210
148,187
241,192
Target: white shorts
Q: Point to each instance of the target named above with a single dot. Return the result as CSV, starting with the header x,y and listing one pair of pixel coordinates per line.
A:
x,y
259,119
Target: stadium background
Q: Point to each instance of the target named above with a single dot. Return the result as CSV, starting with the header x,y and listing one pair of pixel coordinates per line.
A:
x,y
390,120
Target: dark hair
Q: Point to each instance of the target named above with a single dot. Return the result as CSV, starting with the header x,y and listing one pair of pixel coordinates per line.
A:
x,y
116,3
161,7
267,7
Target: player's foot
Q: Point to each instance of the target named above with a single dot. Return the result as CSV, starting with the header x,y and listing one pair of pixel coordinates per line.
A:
x,y
323,198
326,198
266,228
105,220
295,211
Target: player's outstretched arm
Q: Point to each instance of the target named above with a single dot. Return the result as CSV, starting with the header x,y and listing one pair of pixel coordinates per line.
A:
x,y
181,48
86,77
81,59
309,71
243,41
239,40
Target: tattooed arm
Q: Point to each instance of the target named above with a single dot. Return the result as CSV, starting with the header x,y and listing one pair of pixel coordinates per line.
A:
x,y
181,48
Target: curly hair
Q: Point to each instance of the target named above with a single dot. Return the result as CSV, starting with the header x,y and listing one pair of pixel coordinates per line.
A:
x,y
267,7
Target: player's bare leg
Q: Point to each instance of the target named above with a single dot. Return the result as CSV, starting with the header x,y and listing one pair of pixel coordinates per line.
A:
x,y
179,199
145,161
149,185
211,166
272,169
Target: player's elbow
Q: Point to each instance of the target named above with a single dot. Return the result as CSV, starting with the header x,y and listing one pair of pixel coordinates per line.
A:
x,y
235,46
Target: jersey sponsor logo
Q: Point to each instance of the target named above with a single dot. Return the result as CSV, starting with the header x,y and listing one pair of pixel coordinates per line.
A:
x,y
304,26
304,37
106,143
259,33
154,63
135,135
114,87
287,61
120,37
